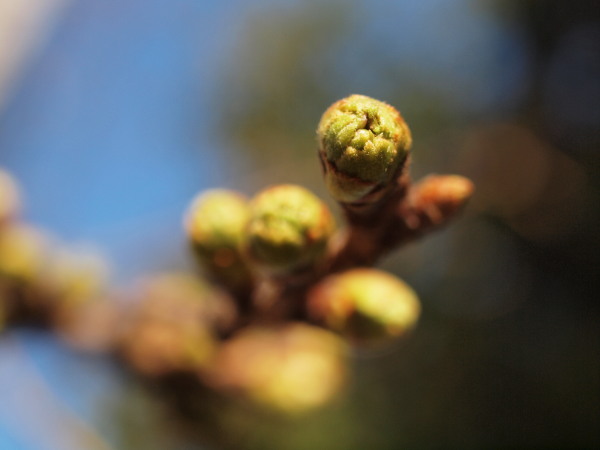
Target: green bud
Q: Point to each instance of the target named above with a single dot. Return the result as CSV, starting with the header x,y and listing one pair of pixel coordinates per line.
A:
x,y
362,144
289,229
216,225
292,369
365,305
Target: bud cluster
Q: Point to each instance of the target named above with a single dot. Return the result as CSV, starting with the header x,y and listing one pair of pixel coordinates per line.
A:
x,y
286,291
44,283
283,229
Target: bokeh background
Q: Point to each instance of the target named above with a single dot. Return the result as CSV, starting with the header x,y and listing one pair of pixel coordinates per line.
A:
x,y
114,113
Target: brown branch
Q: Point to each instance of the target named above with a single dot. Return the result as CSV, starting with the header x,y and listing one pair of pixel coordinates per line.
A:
x,y
407,213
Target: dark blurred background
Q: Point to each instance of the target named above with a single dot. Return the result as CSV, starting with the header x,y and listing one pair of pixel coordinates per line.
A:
x,y
114,113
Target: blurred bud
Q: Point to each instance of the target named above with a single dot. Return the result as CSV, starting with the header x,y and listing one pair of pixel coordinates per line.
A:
x,y
288,230
291,369
91,327
176,295
216,223
9,197
23,253
173,326
24,260
77,281
362,143
448,192
156,348
76,276
364,305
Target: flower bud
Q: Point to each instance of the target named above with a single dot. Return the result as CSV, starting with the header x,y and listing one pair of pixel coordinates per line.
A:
x,y
288,230
216,224
23,253
447,192
291,369
362,143
24,262
364,305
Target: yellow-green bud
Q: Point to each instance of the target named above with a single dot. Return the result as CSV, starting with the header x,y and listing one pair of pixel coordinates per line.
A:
x,y
362,144
9,197
216,224
292,368
288,230
23,253
365,305
24,261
